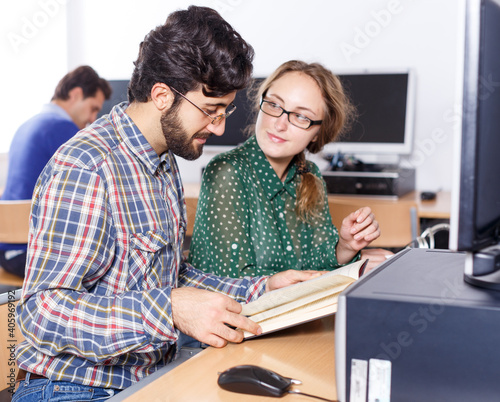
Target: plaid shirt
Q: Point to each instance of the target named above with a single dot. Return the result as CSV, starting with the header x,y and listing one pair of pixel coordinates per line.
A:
x,y
105,250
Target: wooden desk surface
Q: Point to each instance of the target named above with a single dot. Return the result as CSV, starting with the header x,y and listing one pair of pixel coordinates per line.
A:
x,y
439,208
399,218
305,352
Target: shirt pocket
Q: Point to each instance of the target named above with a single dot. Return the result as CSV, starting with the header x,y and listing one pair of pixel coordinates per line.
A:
x,y
149,259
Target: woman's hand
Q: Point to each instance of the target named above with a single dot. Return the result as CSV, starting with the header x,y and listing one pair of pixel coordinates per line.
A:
x,y
358,230
290,277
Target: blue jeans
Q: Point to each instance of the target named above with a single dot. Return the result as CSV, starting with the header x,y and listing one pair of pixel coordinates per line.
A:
x,y
54,391
187,341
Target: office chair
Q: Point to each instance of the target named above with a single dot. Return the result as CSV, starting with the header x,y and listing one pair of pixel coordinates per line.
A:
x,y
14,229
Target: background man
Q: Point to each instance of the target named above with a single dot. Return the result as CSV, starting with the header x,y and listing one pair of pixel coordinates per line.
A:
x,y
107,290
77,99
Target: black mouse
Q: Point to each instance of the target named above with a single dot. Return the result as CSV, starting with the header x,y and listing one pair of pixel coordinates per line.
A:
x,y
255,380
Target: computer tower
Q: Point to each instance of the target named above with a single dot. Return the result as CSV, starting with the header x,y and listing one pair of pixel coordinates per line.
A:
x,y
436,336
389,181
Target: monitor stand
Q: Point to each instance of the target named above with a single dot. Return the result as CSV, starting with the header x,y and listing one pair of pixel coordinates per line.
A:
x,y
482,268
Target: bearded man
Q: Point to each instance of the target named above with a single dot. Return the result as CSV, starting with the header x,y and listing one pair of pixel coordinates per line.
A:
x,y
107,291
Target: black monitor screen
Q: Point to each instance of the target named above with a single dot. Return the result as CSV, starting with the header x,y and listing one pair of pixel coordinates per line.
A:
x,y
488,125
244,115
380,101
479,197
118,95
235,124
475,219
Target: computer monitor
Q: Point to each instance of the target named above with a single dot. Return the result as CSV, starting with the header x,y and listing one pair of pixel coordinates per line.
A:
x,y
475,219
385,107
119,94
384,102
236,124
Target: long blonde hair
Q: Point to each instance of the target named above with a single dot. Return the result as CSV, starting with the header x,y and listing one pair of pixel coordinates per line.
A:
x,y
339,113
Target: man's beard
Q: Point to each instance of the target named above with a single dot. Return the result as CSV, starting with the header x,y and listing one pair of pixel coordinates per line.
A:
x,y
178,141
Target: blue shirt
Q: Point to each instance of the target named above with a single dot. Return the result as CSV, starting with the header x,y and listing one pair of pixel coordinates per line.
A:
x,y
105,251
32,147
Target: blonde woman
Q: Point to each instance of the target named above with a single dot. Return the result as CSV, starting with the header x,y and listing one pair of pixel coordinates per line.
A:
x,y
263,208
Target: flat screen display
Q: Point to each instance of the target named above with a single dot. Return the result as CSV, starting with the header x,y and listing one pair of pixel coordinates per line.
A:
x,y
384,103
476,218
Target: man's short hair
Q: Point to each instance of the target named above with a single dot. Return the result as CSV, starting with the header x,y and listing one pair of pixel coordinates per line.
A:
x,y
84,77
195,47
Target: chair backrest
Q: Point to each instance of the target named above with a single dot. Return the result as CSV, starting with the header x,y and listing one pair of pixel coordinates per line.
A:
x,y
191,204
14,221
11,337
398,220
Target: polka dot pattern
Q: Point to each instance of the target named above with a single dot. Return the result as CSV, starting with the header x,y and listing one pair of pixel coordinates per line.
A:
x,y
246,222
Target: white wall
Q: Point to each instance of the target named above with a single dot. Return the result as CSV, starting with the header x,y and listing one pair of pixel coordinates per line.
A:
x,y
424,35
33,58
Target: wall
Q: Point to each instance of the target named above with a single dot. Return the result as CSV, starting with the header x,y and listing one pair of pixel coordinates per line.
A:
x,y
424,35
33,58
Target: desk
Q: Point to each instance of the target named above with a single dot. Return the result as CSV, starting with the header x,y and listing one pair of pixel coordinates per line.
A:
x,y
399,219
439,208
304,352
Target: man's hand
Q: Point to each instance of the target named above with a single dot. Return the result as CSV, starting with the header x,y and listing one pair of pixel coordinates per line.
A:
x,y
286,278
375,256
205,316
358,230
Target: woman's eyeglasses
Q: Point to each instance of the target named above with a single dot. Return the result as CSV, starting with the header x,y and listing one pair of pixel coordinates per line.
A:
x,y
297,119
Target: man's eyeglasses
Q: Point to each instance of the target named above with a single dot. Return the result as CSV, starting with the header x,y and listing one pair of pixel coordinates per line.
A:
x,y
217,119
297,119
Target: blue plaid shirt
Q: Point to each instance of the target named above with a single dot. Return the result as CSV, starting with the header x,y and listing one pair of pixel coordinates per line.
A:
x,y
105,250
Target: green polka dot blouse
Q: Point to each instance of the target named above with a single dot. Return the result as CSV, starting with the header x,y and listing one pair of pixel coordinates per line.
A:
x,y
246,222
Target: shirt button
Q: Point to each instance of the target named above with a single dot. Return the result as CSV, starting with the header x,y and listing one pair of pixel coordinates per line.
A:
x,y
281,215
234,246
289,248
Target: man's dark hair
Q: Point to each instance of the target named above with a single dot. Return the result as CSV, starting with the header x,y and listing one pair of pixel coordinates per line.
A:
x,y
195,47
84,77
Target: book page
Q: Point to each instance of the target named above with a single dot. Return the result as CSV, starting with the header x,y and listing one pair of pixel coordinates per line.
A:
x,y
351,270
316,297
284,295
299,316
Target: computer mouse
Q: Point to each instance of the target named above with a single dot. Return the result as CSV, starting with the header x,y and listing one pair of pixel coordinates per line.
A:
x,y
255,380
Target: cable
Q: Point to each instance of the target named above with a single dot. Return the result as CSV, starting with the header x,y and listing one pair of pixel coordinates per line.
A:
x,y
426,239
296,391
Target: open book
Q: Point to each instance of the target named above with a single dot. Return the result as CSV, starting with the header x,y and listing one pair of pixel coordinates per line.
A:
x,y
302,302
